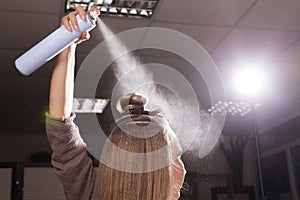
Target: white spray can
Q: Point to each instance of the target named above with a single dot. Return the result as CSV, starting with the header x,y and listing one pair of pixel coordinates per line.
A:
x,y
53,44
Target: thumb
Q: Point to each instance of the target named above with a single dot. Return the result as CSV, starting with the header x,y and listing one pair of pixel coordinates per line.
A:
x,y
84,36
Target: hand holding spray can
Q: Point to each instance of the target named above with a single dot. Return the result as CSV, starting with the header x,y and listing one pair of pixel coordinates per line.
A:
x,y
53,44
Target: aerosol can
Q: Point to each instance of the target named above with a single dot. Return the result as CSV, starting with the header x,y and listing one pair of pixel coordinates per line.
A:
x,y
53,44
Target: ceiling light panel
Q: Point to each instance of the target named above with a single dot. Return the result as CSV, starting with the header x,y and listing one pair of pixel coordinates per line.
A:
x,y
119,8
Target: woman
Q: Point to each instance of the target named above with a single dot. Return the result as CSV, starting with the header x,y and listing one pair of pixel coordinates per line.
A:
x,y
120,176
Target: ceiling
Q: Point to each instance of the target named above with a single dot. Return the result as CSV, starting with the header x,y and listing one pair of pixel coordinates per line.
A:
x,y
230,30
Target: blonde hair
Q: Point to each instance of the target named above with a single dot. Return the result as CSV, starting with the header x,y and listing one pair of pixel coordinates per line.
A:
x,y
149,182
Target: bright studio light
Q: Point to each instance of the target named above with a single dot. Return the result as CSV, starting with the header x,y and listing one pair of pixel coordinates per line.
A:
x,y
250,81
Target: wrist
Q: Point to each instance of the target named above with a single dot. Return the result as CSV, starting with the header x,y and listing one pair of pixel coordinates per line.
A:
x,y
71,49
73,46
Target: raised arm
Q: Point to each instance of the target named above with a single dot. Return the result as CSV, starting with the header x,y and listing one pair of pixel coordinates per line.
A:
x,y
70,161
62,82
61,89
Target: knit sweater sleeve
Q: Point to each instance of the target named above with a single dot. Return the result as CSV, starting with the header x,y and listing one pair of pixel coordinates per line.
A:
x,y
71,163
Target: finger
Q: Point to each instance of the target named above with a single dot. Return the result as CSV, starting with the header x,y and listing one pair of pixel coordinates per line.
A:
x,y
65,22
94,9
80,10
86,35
73,20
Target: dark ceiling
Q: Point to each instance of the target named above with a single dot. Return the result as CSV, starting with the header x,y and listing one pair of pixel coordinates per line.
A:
x,y
229,30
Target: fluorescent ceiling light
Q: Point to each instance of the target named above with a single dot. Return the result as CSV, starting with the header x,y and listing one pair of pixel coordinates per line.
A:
x,y
113,10
144,12
133,12
124,11
103,9
120,8
81,105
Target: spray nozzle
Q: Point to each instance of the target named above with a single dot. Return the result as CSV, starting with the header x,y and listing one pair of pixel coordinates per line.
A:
x,y
94,15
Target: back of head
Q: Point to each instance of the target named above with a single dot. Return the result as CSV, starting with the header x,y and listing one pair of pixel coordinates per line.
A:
x,y
129,102
135,161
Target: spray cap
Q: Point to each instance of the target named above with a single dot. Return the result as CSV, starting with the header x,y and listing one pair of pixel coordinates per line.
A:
x,y
93,15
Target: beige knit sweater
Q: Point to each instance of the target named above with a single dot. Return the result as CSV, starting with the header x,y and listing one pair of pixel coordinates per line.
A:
x,y
71,163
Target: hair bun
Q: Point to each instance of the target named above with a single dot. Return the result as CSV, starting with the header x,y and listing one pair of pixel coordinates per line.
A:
x,y
130,101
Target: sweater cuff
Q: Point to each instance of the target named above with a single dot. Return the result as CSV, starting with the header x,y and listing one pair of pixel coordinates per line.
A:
x,y
61,119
